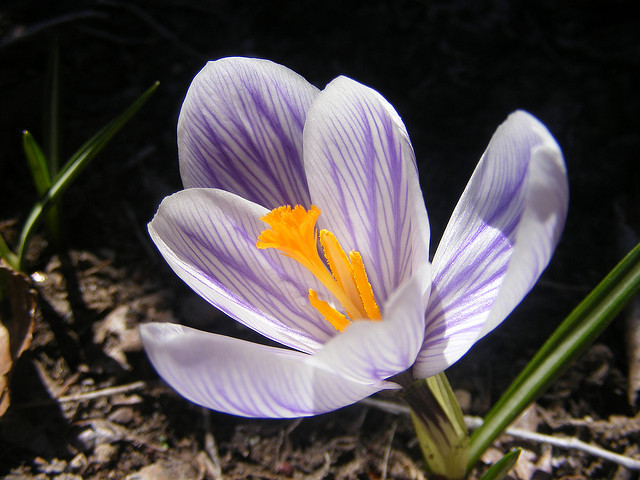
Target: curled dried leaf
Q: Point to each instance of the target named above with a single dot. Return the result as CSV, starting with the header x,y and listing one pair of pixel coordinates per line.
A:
x,y
18,308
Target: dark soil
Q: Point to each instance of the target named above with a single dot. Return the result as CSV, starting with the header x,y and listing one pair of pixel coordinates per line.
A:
x,y
454,71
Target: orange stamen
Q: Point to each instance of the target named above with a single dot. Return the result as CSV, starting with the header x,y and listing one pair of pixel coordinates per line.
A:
x,y
334,317
293,232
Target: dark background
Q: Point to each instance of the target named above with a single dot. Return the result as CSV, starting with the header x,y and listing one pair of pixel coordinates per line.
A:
x,y
454,70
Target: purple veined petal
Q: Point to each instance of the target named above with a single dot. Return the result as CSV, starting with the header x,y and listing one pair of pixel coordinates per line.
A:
x,y
362,173
368,351
208,237
240,129
247,379
499,240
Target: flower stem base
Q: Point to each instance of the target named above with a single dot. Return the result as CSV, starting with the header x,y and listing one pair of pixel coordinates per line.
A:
x,y
440,426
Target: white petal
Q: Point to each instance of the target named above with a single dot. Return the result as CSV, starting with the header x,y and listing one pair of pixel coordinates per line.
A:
x,y
499,240
244,378
368,351
240,129
209,236
362,173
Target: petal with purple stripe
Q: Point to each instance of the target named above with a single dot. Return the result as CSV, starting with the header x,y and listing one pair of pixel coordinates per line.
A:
x,y
240,129
209,236
247,379
499,240
362,173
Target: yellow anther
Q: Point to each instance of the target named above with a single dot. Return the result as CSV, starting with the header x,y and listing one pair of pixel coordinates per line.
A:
x,y
340,268
293,232
364,287
331,315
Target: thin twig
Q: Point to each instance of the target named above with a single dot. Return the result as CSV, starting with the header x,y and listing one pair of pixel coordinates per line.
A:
x,y
104,392
323,471
155,25
283,435
387,453
40,27
569,443
211,448
560,442
85,396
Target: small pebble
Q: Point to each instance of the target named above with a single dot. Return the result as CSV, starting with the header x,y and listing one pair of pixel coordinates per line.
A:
x,y
78,463
49,467
122,415
104,453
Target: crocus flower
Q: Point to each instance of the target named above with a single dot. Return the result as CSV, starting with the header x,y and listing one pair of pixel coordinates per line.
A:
x,y
302,218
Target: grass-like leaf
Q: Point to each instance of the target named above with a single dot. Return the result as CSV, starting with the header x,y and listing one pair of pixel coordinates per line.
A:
x,y
572,337
37,163
500,469
73,167
41,172
10,257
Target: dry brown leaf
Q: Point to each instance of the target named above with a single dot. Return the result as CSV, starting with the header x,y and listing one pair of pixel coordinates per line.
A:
x,y
118,334
633,350
18,309
628,237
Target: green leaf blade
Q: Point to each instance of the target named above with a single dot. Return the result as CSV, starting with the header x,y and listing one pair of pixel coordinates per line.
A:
x,y
80,159
41,173
501,468
572,337
6,253
37,162
74,166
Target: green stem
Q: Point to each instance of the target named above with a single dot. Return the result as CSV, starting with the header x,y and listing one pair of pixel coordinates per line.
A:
x,y
439,426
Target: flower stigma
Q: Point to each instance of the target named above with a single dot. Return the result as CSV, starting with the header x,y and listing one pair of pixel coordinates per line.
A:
x,y
293,231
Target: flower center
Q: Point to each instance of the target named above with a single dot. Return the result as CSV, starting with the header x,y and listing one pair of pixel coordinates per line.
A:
x,y
293,231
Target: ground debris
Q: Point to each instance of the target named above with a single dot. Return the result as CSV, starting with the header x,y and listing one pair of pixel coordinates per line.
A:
x,y
98,432
49,467
118,334
172,468
18,310
632,325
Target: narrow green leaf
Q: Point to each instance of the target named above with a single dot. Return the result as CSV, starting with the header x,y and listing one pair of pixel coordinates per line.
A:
x,y
37,163
500,469
6,253
572,337
91,147
74,166
42,180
